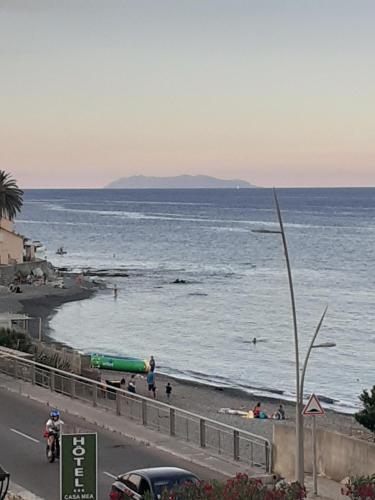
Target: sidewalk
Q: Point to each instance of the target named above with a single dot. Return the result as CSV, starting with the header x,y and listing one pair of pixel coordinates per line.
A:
x,y
327,489
18,493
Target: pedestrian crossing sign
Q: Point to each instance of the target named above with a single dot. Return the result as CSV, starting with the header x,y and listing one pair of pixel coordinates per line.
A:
x,y
313,407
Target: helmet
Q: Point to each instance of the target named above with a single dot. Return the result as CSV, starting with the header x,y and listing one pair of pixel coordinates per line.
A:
x,y
55,414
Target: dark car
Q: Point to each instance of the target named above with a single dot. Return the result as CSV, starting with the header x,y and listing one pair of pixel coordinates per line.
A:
x,y
137,483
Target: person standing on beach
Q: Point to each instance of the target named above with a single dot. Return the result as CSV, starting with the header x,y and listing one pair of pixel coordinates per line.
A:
x,y
115,291
152,364
151,383
168,391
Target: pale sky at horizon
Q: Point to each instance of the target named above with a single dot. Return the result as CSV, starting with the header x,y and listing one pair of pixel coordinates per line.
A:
x,y
275,92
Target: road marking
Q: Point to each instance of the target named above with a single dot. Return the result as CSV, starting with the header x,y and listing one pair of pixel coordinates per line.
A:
x,y
110,475
25,435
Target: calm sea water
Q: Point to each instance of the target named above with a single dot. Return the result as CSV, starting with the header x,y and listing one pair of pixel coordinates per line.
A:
x,y
236,284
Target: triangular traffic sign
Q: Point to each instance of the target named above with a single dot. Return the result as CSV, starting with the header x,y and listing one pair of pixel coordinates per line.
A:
x,y
313,407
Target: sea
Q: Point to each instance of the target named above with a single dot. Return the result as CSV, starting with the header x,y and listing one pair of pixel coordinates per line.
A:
x,y
231,287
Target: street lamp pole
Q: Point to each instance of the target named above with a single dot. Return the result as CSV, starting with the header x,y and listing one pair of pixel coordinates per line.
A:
x,y
299,446
299,455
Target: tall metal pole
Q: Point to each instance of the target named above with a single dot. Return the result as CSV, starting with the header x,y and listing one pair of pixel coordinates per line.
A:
x,y
299,453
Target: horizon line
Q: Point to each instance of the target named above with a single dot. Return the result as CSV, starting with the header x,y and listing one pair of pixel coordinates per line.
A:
x,y
192,189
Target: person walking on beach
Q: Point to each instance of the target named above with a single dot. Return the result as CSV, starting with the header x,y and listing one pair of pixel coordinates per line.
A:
x,y
115,291
151,383
152,363
168,390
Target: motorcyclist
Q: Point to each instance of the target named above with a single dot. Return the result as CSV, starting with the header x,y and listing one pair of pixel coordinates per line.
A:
x,y
53,428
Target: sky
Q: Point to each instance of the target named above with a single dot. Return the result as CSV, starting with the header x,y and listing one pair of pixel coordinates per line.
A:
x,y
275,92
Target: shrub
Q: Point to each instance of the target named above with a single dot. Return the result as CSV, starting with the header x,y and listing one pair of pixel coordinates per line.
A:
x,y
242,487
366,417
360,488
14,340
54,360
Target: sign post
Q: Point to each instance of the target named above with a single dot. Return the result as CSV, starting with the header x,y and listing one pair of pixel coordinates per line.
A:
x,y
313,409
315,476
78,467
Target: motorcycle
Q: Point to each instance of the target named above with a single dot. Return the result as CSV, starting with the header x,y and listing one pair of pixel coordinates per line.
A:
x,y
53,450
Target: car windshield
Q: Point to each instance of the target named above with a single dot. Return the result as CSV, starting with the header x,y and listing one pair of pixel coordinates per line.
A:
x,y
159,485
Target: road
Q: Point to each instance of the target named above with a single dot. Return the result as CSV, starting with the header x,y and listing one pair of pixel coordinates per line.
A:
x,y
22,449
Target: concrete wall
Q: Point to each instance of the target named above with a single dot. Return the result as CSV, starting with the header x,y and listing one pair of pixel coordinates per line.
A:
x,y
6,224
338,456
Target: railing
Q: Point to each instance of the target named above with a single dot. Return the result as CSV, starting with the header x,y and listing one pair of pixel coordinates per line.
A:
x,y
220,438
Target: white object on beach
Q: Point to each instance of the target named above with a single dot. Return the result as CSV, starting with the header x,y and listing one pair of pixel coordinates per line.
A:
x,y
38,273
59,283
231,411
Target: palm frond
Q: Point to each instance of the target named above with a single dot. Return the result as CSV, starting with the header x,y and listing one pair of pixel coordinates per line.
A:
x,y
11,196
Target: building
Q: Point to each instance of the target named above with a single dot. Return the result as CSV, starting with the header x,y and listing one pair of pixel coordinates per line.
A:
x,y
15,322
11,244
29,253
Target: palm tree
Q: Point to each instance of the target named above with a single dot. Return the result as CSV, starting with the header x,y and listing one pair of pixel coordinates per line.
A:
x,y
11,196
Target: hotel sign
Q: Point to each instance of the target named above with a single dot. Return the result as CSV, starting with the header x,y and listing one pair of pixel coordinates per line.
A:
x,y
78,467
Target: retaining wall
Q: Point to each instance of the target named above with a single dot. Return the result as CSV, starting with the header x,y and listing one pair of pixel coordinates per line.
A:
x,y
338,456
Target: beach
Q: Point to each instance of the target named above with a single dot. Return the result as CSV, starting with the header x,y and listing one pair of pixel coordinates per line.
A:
x,y
42,301
208,400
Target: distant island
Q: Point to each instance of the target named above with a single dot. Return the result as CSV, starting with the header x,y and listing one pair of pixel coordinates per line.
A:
x,y
178,182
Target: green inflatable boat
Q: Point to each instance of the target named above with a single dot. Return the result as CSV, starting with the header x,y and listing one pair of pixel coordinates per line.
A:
x,y
119,363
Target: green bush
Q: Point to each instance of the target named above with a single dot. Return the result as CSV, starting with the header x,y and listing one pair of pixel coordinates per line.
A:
x,y
14,340
366,417
242,487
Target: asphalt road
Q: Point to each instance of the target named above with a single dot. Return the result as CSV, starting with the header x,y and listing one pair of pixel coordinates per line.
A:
x,y
22,449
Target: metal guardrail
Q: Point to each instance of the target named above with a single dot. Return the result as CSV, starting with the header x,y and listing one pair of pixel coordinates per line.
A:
x,y
218,437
